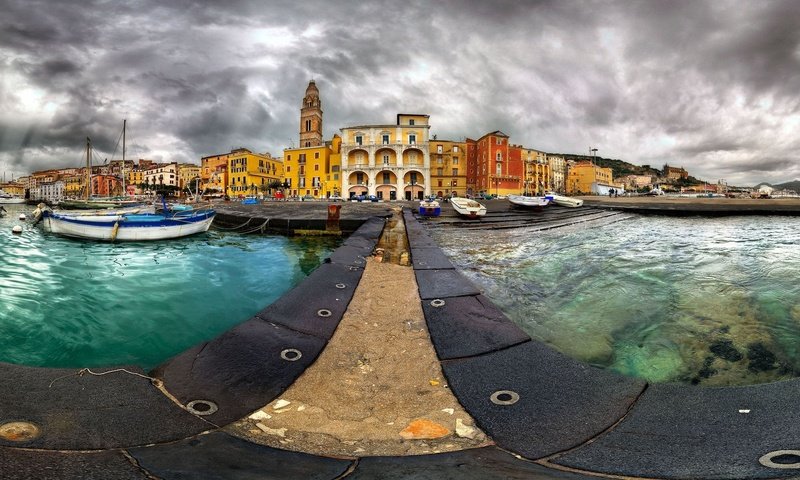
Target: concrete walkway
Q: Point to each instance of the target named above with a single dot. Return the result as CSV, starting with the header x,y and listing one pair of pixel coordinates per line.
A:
x,y
376,389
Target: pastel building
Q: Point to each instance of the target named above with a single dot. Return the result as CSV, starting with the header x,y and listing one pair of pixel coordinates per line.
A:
x,y
448,168
498,171
214,173
537,178
558,172
251,173
389,161
586,177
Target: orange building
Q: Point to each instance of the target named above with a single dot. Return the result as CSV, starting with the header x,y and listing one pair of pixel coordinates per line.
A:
x,y
499,171
106,185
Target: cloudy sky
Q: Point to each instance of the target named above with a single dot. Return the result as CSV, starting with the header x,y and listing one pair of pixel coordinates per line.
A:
x,y
712,86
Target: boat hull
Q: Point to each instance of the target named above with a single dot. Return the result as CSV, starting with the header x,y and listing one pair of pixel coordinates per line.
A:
x,y
533,203
11,201
430,209
467,208
128,227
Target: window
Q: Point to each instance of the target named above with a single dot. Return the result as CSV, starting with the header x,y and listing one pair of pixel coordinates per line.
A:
x,y
288,169
386,159
499,141
455,160
499,157
385,139
499,169
386,178
302,158
412,139
455,148
308,125
455,172
439,171
359,178
316,154
359,140
316,167
440,183
308,144
302,169
413,177
411,121
439,159
438,149
335,168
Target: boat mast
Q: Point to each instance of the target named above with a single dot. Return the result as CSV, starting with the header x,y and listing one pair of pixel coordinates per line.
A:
x,y
86,191
124,122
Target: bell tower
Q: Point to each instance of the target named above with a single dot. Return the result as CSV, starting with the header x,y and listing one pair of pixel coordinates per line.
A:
x,y
311,118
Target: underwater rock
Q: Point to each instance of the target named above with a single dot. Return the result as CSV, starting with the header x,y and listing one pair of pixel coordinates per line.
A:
x,y
761,358
725,350
655,362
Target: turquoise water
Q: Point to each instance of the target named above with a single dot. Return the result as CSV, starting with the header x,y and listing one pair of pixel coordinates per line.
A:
x,y
72,303
697,300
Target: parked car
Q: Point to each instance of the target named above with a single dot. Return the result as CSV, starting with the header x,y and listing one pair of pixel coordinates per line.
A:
x,y
372,198
335,198
306,198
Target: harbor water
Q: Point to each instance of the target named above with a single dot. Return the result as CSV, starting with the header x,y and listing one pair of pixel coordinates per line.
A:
x,y
73,303
696,300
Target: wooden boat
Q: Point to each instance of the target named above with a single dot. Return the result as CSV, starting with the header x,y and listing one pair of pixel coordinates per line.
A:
x,y
467,207
429,208
128,226
535,203
563,201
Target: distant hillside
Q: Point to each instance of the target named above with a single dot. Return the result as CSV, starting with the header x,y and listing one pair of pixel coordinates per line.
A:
x,y
619,168
793,185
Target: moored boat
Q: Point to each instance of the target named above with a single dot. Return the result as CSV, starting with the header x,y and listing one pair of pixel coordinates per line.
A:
x,y
429,208
128,226
535,203
563,201
467,207
9,199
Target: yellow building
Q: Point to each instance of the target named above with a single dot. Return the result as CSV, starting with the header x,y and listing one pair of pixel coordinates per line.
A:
x,y
448,168
586,177
313,170
13,188
538,177
389,161
250,173
73,184
214,173
186,173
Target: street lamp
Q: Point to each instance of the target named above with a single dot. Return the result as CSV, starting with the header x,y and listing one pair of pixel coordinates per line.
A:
x,y
593,154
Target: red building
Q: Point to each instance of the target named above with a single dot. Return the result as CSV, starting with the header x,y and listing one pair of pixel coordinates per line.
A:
x,y
106,185
500,169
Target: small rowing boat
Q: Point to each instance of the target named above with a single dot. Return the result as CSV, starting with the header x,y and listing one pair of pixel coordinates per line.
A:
x,y
467,207
534,203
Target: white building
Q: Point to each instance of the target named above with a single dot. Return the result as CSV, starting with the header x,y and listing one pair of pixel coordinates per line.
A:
x,y
558,170
164,174
389,161
50,192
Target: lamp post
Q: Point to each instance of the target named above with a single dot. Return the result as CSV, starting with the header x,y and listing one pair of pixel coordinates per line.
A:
x,y
593,154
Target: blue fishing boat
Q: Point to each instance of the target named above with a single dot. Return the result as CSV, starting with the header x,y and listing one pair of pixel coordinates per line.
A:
x,y
429,208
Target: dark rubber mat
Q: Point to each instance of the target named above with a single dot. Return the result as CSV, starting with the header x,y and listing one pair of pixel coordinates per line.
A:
x,y
467,326
535,401
223,457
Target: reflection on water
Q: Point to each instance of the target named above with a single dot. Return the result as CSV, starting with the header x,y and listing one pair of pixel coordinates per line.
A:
x,y
703,301
71,303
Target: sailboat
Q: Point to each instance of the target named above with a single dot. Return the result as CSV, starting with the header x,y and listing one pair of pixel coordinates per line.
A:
x,y
90,201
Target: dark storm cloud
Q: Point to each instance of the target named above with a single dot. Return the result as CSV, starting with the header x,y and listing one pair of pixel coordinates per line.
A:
x,y
708,85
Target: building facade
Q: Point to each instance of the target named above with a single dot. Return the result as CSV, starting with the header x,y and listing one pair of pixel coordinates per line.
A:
x,y
214,174
50,192
161,175
251,173
448,168
586,177
498,171
186,173
537,177
558,172
388,161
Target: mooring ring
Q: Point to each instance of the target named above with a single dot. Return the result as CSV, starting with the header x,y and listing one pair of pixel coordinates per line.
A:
x,y
207,407
324,312
768,460
437,302
504,397
341,286
291,354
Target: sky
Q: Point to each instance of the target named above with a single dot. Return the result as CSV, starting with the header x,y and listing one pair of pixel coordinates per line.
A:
x,y
711,86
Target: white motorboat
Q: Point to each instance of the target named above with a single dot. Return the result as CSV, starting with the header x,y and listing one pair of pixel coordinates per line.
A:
x,y
563,201
8,199
536,203
467,207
